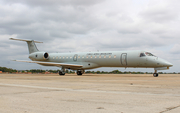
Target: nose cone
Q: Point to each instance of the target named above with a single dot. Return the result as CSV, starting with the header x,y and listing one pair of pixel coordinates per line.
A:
x,y
168,64
165,63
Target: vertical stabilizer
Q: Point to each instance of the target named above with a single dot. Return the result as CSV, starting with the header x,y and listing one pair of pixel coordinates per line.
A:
x,y
31,44
32,47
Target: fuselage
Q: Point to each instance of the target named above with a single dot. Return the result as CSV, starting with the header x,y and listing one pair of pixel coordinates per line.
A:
x,y
91,60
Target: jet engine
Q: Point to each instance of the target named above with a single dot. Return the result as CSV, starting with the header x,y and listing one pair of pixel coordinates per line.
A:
x,y
39,56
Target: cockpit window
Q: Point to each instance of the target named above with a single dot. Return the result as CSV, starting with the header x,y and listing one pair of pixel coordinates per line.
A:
x,y
142,54
148,54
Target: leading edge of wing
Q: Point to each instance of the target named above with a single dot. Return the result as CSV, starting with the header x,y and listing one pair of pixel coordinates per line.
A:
x,y
51,63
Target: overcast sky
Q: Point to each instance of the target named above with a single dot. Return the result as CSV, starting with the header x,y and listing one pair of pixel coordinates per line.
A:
x,y
90,25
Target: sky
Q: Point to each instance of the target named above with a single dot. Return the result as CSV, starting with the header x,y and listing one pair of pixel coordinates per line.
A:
x,y
90,25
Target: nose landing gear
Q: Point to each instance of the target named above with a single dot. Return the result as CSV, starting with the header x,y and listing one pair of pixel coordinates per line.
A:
x,y
155,74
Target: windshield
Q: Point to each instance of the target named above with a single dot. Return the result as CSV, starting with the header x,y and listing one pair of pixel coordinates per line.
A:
x,y
148,54
142,54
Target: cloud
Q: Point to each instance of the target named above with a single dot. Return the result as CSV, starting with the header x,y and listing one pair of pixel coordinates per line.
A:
x,y
175,49
159,12
53,2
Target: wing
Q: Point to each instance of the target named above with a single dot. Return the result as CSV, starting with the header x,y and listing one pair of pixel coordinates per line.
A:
x,y
66,65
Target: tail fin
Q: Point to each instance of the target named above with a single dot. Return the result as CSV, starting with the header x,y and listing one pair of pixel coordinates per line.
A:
x,y
31,44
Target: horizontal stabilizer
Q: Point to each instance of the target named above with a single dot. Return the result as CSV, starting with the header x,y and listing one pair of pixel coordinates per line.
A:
x,y
24,40
51,63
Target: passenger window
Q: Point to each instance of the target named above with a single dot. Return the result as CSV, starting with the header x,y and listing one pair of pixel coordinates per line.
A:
x,y
67,57
70,57
114,56
60,57
53,57
82,56
104,56
86,56
91,56
78,56
99,56
109,56
95,56
57,57
63,57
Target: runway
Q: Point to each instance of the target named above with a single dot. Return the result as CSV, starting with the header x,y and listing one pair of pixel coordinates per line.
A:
x,y
90,93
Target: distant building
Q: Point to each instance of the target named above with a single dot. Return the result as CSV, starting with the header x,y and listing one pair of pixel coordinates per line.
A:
x,y
47,72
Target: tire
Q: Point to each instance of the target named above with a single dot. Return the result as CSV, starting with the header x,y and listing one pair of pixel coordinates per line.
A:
x,y
61,73
155,74
79,73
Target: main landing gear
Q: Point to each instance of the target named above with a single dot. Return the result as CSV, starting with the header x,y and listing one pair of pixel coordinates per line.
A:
x,y
62,72
80,72
155,74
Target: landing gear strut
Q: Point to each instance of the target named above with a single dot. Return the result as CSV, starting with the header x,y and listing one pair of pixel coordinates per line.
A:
x,y
155,74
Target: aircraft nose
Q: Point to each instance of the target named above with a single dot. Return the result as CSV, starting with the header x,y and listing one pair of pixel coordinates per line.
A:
x,y
166,63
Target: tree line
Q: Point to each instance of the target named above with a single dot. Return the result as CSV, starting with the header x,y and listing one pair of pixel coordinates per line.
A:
x,y
10,70
4,69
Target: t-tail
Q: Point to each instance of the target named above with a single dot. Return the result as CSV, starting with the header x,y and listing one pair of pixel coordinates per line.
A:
x,y
34,53
31,44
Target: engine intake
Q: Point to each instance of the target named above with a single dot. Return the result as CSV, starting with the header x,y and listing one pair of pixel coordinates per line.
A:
x,y
46,55
39,56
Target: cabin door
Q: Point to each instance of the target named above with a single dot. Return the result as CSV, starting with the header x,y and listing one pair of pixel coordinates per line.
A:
x,y
124,59
75,57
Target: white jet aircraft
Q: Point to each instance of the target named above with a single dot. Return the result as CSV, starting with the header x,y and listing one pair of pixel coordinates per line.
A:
x,y
90,60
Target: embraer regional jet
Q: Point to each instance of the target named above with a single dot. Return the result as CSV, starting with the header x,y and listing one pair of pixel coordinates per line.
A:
x,y
90,60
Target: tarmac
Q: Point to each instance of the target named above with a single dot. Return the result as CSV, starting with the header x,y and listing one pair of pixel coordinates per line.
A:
x,y
89,93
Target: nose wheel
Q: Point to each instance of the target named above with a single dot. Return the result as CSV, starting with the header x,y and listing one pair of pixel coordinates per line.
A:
x,y
155,74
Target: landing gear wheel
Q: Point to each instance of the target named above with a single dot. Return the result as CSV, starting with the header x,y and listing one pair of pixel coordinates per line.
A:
x,y
155,74
79,73
61,73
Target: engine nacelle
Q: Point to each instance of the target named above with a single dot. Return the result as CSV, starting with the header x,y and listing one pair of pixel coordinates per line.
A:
x,y
39,56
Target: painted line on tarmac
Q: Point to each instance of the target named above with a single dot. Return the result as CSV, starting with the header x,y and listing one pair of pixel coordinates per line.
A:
x,y
82,90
